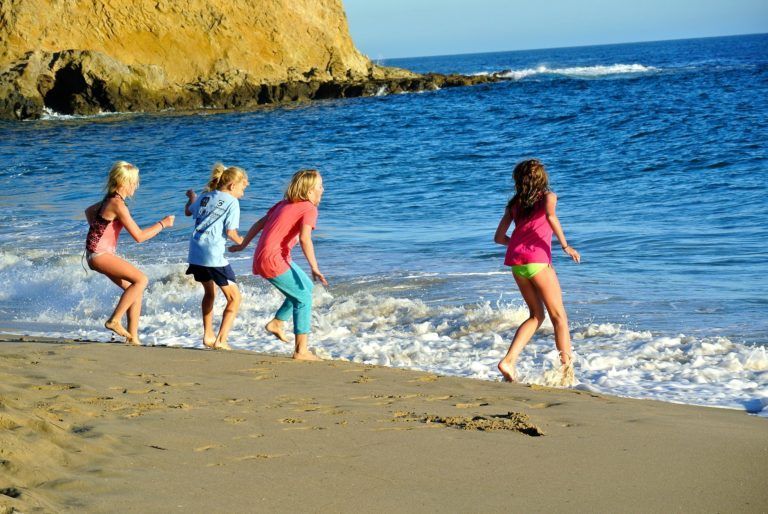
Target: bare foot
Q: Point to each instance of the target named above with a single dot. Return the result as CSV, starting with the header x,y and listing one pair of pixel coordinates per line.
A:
x,y
209,341
569,376
115,326
275,327
221,345
133,341
508,371
306,356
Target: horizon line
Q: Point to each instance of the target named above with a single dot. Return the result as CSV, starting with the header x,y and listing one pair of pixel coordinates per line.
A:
x,y
568,47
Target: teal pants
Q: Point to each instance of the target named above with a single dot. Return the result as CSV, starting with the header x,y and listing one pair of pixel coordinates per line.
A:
x,y
297,288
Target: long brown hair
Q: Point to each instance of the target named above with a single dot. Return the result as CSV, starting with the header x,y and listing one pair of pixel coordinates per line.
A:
x,y
531,184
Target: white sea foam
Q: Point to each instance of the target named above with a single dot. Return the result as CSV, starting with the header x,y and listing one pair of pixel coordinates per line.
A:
x,y
50,114
370,326
577,71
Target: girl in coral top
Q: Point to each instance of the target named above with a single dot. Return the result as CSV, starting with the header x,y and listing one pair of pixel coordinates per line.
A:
x,y
529,253
106,220
286,223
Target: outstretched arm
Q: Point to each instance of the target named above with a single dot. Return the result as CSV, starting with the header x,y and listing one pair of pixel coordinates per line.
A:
x,y
137,233
252,232
191,197
305,238
557,229
501,236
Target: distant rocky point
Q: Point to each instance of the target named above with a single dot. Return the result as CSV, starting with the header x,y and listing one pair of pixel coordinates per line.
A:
x,y
78,57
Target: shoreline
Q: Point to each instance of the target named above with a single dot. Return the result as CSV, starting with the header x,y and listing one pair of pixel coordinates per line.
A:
x,y
8,334
84,426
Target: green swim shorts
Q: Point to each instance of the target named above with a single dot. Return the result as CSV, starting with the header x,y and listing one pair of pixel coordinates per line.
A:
x,y
529,270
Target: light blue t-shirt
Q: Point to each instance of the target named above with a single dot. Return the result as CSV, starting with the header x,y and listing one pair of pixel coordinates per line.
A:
x,y
214,213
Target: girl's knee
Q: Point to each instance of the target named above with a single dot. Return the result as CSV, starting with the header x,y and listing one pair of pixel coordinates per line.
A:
x,y
303,301
142,281
558,318
232,294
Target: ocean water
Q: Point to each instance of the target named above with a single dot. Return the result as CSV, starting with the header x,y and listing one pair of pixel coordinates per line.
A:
x,y
657,152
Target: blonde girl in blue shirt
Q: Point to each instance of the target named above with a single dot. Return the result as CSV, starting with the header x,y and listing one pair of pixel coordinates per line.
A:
x,y
217,216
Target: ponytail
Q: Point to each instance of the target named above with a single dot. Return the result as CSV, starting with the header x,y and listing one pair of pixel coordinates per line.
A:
x,y
216,172
222,175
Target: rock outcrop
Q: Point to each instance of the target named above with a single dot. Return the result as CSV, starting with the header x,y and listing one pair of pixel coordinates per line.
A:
x,y
88,56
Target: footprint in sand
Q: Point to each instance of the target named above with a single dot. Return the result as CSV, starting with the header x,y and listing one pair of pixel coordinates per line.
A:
x,y
427,378
543,405
52,386
470,405
233,420
432,398
249,436
258,456
207,447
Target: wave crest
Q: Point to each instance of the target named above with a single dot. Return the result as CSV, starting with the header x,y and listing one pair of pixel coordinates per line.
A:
x,y
575,71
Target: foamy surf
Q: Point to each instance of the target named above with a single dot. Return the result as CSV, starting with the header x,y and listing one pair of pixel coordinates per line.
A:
x,y
51,115
369,325
585,72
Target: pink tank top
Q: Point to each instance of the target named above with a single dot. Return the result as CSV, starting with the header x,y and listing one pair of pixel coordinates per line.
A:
x,y
531,241
103,234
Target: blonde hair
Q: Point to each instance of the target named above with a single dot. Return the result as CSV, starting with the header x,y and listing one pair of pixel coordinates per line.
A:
x,y
223,175
301,184
122,174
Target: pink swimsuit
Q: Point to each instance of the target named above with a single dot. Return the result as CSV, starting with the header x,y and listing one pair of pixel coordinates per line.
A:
x,y
103,234
531,241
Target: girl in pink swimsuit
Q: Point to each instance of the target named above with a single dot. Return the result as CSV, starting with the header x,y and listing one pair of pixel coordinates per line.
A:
x,y
106,219
529,252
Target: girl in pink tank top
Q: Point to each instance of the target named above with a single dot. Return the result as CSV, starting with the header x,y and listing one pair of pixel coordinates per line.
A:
x,y
529,252
106,219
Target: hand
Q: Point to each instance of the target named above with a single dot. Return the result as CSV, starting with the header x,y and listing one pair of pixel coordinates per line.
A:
x,y
316,275
168,221
191,195
573,253
236,248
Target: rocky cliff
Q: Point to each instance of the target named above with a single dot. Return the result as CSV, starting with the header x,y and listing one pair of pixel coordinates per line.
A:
x,y
86,56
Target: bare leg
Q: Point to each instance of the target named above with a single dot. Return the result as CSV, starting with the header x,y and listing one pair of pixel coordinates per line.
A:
x,y
133,315
526,330
232,294
276,328
548,287
133,282
302,352
209,296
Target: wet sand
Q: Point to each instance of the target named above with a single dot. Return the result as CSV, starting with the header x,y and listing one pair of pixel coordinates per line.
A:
x,y
95,427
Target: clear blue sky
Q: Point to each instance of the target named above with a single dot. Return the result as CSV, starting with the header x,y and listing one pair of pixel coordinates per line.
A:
x,y
409,28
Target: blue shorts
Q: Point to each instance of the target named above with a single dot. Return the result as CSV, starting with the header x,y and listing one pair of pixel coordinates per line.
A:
x,y
223,276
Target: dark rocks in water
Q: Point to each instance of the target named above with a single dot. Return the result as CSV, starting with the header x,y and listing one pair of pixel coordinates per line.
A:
x,y
88,82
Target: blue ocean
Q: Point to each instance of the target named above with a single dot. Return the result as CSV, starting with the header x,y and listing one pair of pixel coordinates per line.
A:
x,y
658,153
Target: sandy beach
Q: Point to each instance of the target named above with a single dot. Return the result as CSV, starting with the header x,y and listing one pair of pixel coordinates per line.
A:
x,y
95,427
